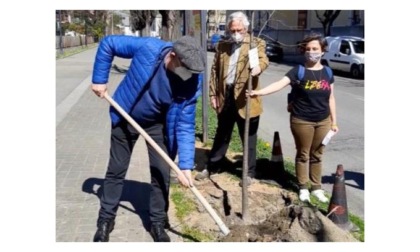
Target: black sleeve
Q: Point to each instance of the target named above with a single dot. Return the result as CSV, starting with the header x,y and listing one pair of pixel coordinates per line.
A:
x,y
293,74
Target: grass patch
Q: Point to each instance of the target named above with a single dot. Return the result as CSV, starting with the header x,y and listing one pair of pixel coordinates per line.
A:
x,y
235,142
195,235
361,224
183,205
73,50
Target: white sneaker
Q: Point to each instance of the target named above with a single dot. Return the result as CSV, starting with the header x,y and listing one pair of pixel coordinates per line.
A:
x,y
319,194
304,195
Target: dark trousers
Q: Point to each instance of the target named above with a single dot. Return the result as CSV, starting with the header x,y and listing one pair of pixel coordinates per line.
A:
x,y
123,139
225,122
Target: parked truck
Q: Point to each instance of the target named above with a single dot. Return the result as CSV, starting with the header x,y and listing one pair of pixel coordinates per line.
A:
x,y
347,54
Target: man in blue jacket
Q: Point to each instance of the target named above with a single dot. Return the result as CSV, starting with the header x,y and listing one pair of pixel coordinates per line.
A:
x,y
159,92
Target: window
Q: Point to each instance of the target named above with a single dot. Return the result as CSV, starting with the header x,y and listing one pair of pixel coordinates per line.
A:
x,y
356,17
359,46
345,47
302,19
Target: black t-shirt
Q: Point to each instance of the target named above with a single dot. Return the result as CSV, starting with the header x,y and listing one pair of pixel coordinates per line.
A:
x,y
311,94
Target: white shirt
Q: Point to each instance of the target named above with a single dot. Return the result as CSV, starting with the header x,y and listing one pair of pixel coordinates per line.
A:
x,y
236,48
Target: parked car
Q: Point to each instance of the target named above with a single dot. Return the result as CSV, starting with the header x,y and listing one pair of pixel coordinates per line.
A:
x,y
212,43
347,54
273,50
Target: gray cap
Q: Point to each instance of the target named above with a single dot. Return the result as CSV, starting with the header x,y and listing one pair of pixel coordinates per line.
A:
x,y
190,53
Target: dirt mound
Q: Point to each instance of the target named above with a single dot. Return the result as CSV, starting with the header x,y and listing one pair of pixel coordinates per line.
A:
x,y
275,215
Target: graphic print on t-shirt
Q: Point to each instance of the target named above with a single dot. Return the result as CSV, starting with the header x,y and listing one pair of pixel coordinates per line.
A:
x,y
311,94
314,84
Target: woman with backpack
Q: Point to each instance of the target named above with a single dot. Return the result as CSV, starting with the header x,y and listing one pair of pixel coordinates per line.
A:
x,y
312,113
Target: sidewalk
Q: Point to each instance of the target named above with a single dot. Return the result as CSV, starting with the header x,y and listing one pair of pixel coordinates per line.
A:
x,y
82,147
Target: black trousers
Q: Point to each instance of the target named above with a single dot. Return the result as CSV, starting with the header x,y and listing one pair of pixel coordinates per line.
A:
x,y
225,123
123,139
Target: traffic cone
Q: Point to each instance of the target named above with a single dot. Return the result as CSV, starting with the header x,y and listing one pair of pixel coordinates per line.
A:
x,y
277,163
338,211
276,154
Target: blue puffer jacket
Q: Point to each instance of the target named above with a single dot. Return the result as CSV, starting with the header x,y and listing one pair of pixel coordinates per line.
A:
x,y
146,55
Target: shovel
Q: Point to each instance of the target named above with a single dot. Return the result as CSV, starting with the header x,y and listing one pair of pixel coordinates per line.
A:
x,y
171,163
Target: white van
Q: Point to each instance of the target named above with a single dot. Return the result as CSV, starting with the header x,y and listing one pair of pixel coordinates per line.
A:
x,y
346,53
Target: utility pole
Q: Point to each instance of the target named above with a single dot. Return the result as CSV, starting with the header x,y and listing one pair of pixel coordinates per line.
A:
x,y
60,41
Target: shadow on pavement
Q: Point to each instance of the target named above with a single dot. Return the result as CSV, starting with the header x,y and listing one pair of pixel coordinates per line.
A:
x,y
137,193
357,177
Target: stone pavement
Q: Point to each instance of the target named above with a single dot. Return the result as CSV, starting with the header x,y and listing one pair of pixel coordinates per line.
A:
x,y
82,146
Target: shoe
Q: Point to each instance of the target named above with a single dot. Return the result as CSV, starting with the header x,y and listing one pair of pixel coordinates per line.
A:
x,y
105,226
304,195
222,165
167,225
249,181
319,194
158,232
202,175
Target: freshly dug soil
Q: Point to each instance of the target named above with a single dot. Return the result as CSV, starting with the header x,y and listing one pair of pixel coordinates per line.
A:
x,y
274,214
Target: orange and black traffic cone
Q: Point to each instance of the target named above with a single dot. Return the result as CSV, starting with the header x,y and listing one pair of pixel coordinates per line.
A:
x,y
338,211
277,153
277,163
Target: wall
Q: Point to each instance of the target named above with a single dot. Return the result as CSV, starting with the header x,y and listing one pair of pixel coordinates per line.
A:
x,y
70,41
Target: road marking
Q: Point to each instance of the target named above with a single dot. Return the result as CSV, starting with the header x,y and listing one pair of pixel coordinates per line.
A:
x,y
65,106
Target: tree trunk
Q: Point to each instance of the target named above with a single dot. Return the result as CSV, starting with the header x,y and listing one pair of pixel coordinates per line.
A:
x,y
170,23
327,20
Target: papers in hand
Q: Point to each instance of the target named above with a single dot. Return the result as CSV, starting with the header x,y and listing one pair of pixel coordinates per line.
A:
x,y
253,58
328,137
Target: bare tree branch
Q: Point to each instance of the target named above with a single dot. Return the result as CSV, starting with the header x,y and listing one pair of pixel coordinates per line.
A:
x,y
266,22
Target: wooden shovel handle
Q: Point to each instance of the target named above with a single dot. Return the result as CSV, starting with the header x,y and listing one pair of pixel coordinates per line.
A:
x,y
171,163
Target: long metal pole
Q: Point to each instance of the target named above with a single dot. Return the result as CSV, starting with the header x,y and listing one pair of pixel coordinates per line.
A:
x,y
225,230
246,136
205,97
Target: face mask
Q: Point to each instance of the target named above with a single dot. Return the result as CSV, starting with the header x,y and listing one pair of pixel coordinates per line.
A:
x,y
313,57
237,37
182,72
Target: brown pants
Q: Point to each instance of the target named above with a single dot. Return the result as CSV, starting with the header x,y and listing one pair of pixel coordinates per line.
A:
x,y
308,138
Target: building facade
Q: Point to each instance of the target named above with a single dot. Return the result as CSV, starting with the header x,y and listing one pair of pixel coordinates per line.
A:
x,y
288,27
